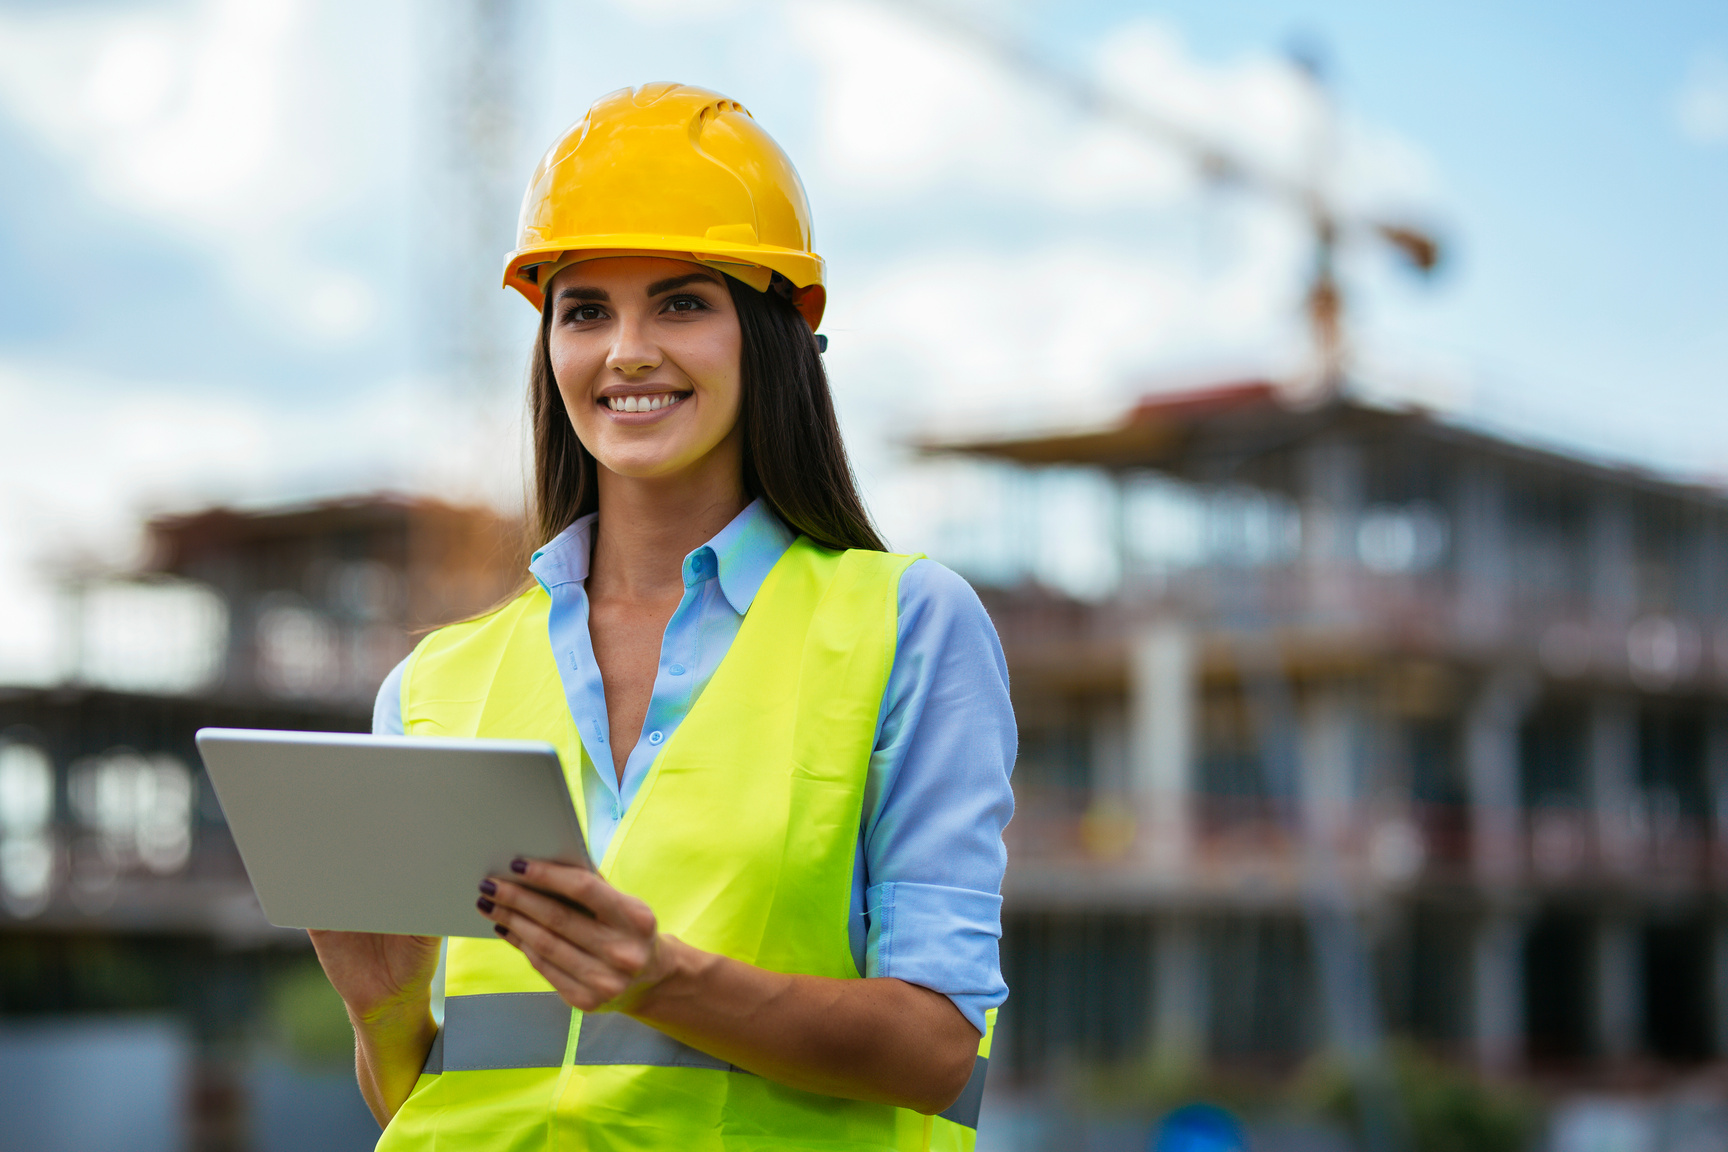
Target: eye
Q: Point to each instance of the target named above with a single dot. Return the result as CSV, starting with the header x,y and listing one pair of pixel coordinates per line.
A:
x,y
686,304
582,313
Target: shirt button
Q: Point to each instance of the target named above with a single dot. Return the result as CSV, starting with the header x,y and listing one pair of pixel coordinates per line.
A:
x,y
676,669
655,737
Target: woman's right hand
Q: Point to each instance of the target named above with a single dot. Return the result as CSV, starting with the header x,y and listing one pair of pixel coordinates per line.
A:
x,y
386,983
375,973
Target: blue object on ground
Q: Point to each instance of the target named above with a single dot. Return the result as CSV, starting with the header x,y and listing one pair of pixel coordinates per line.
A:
x,y
1199,1128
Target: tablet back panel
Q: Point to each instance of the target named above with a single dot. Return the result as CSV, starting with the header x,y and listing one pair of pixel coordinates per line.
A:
x,y
386,833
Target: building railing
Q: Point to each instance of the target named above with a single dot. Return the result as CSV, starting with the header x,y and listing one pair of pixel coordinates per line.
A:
x,y
1229,841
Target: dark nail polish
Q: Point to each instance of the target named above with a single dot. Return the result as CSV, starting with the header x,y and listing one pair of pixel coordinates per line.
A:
x,y
518,866
488,887
484,904
500,929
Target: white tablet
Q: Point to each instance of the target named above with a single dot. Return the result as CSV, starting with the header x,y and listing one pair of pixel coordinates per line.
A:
x,y
386,833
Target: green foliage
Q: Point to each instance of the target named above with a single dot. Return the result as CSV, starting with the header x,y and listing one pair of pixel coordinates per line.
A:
x,y
307,1018
1446,1109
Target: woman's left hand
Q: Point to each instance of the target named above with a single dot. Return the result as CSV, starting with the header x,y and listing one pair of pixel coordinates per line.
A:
x,y
602,959
879,1039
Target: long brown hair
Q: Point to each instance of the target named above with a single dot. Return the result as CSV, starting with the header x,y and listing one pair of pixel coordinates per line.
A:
x,y
794,459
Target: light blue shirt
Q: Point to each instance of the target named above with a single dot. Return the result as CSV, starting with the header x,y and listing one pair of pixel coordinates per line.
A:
x,y
926,886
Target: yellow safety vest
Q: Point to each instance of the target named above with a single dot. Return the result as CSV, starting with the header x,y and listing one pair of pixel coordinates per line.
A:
x,y
741,839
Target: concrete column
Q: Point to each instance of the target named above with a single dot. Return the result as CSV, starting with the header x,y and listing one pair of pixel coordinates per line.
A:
x,y
1483,553
1618,988
1613,768
1331,499
1497,991
1712,560
1163,696
1491,771
1331,745
1613,570
1179,993
1109,754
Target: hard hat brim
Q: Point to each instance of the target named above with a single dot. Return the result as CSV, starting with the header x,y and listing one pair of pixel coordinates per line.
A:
x,y
804,269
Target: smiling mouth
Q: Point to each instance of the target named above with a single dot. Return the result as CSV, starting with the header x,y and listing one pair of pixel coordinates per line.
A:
x,y
652,402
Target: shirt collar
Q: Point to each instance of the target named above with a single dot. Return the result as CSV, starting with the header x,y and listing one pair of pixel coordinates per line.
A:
x,y
564,558
743,552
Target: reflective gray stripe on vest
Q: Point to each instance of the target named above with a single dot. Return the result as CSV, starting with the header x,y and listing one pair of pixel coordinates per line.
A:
x,y
532,1030
964,1111
501,1030
608,1038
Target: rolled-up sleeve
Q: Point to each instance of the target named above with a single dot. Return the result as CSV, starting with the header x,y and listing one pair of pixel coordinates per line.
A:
x,y
938,797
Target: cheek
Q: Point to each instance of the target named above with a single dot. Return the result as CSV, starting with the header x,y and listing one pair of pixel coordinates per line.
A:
x,y
574,372
717,370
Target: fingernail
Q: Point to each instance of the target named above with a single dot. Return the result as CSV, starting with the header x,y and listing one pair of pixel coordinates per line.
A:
x,y
518,866
500,929
488,887
484,904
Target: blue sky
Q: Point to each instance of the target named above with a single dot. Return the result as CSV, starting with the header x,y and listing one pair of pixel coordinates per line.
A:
x,y
225,265
1589,291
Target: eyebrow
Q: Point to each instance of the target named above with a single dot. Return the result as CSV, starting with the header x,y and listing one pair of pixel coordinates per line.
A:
x,y
599,294
667,285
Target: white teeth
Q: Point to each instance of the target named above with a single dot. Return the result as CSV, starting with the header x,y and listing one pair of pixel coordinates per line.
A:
x,y
641,403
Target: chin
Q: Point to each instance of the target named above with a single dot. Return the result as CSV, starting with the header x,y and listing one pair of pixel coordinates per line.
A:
x,y
644,465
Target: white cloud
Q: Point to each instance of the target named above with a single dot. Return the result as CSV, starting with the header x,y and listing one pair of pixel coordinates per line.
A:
x,y
340,305
212,120
1065,323
173,113
1701,106
912,106
678,13
132,75
240,125
1121,261
908,107
1119,266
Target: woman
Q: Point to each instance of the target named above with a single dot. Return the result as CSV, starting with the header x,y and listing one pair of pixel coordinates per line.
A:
x,y
789,749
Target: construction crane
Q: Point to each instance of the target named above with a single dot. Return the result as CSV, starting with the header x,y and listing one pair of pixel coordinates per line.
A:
x,y
1345,965
1332,227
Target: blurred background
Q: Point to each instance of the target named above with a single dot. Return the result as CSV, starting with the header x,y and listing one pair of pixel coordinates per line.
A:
x,y
1328,399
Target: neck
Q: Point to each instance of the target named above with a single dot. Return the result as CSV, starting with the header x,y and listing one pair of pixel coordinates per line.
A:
x,y
647,526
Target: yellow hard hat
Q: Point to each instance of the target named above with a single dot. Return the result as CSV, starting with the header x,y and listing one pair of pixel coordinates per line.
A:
x,y
674,169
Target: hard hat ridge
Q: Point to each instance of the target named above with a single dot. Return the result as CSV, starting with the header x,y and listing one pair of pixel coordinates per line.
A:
x,y
669,168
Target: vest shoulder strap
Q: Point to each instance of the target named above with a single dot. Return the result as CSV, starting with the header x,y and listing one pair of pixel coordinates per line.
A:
x,y
454,669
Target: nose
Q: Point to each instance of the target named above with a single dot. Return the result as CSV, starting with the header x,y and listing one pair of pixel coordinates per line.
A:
x,y
632,353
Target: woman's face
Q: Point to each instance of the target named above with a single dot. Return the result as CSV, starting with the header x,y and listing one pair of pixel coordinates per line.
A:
x,y
646,352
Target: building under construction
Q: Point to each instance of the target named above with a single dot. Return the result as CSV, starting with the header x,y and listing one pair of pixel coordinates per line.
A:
x,y
128,929
1462,694
1450,702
